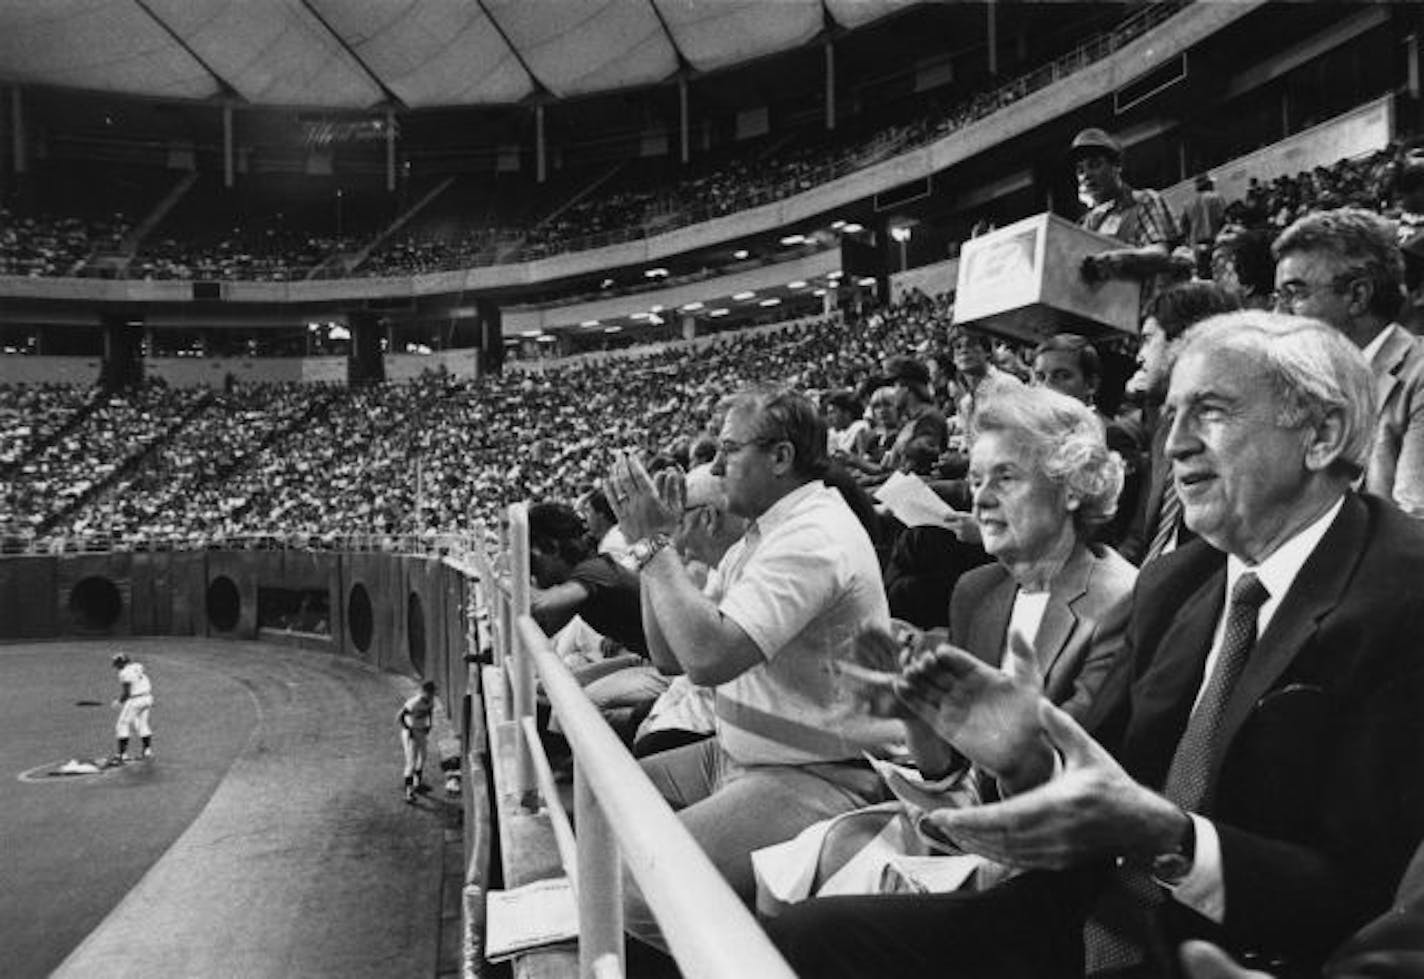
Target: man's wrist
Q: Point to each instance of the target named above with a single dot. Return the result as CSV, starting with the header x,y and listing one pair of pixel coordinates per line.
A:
x,y
645,549
1172,864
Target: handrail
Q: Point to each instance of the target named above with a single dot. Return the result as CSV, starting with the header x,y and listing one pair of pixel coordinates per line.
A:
x,y
707,927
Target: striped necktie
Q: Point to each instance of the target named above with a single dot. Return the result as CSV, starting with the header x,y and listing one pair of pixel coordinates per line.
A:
x,y
1169,514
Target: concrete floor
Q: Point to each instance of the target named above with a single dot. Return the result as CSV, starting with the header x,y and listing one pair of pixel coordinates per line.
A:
x,y
268,837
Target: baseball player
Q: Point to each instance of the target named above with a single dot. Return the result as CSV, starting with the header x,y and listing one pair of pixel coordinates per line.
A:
x,y
134,703
415,720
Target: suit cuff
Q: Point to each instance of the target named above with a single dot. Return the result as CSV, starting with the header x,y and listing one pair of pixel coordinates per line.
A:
x,y
1203,889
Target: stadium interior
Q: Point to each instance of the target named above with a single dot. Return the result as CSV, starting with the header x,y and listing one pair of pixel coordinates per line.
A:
x,y
294,304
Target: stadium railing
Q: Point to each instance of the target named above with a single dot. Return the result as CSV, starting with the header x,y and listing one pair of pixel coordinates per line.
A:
x,y
621,818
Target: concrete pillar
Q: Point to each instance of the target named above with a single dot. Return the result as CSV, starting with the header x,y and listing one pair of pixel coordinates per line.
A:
x,y
683,122
390,151
830,85
540,161
689,326
227,145
992,31
18,142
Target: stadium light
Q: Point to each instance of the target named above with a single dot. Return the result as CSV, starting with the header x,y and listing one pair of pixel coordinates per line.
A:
x,y
531,334
691,307
798,284
853,229
819,292
589,323
719,311
773,301
613,329
740,254
837,225
742,297
790,240
869,280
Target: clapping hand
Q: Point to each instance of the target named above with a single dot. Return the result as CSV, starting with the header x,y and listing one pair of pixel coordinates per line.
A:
x,y
1091,809
642,505
987,716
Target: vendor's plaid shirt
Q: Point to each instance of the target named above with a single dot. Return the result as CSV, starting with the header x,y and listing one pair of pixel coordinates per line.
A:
x,y
1134,217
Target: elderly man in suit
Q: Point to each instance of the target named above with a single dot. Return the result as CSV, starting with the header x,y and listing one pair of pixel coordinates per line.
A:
x,y
1344,267
1265,784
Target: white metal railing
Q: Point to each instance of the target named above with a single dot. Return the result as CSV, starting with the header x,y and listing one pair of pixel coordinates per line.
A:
x,y
621,818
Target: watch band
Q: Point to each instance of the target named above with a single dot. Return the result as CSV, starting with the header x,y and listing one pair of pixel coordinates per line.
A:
x,y
645,549
1170,868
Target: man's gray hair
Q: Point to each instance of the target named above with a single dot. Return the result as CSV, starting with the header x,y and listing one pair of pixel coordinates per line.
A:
x,y
1068,441
784,415
1315,372
1360,241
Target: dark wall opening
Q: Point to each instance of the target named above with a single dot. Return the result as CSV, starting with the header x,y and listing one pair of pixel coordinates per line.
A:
x,y
415,632
224,604
96,604
360,621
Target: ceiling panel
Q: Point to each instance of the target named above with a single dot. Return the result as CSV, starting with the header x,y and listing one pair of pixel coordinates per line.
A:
x,y
96,44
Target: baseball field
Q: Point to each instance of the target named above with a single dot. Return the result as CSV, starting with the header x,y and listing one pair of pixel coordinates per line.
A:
x,y
267,837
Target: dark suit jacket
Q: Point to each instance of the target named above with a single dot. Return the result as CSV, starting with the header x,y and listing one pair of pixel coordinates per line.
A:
x,y
1391,946
1319,784
1138,535
1396,469
1080,636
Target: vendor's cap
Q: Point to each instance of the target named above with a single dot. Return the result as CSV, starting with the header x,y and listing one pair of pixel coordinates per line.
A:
x,y
1094,141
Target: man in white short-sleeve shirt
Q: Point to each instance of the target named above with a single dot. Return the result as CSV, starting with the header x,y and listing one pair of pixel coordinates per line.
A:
x,y
796,591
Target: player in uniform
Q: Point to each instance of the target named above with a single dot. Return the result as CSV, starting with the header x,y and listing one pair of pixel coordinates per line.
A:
x,y
415,720
134,703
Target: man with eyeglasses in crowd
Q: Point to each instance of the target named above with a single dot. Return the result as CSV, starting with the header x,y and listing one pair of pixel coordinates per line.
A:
x,y
1344,268
792,596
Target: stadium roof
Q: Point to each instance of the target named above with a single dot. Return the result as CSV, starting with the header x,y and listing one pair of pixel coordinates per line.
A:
x,y
360,54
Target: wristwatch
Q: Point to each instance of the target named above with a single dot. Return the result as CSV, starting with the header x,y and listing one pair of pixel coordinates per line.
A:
x,y
644,549
1172,867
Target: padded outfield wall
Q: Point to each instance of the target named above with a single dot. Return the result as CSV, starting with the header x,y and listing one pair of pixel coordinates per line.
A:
x,y
405,614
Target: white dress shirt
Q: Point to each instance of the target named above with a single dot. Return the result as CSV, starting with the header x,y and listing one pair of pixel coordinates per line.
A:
x,y
1203,889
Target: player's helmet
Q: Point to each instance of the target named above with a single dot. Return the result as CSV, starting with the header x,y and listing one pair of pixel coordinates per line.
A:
x,y
120,661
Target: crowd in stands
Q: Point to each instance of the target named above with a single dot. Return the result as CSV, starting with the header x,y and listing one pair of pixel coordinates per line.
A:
x,y
55,246
269,254
270,251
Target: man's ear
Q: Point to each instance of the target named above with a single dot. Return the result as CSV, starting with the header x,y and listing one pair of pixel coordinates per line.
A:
x,y
1326,441
783,457
1360,294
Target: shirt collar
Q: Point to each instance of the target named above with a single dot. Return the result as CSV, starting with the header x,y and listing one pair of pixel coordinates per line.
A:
x,y
779,511
1278,572
1373,348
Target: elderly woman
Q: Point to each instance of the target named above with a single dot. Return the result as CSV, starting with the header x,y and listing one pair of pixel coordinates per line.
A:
x,y
1049,613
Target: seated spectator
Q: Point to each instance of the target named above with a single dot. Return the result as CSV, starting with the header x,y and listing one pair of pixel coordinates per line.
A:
x,y
884,428
1051,611
573,580
848,431
1343,267
1224,796
795,591
1242,264
1069,364
924,432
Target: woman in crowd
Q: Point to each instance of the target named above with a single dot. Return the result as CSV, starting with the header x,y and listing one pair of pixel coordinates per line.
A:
x,y
1049,613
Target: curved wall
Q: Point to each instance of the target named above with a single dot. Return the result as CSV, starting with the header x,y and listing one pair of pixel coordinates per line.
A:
x,y
415,604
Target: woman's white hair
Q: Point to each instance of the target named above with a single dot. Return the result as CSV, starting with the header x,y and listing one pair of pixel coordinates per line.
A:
x,y
1068,442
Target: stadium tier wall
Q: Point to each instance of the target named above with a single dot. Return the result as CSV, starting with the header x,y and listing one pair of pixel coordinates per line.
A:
x,y
400,613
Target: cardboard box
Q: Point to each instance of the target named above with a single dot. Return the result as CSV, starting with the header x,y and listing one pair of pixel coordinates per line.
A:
x,y
1023,281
